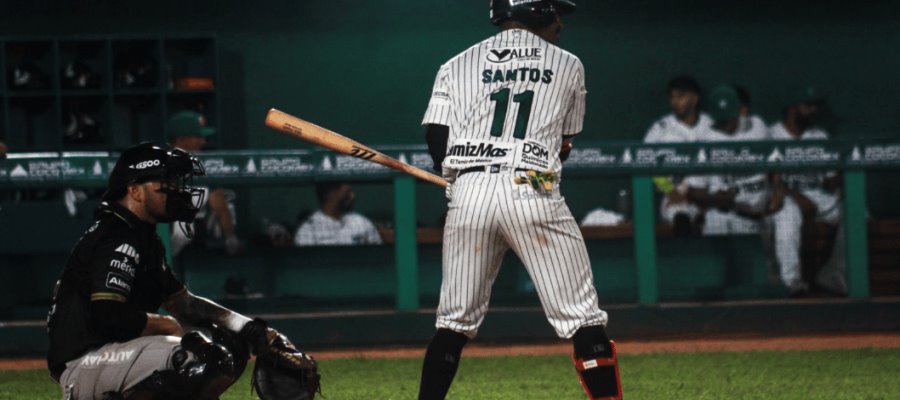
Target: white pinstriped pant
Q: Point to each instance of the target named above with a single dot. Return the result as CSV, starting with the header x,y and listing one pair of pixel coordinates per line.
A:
x,y
490,214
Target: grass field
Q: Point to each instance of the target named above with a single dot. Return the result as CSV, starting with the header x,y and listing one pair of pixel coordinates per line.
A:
x,y
827,374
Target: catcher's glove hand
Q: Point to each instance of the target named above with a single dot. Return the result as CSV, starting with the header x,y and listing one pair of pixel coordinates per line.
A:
x,y
540,181
282,372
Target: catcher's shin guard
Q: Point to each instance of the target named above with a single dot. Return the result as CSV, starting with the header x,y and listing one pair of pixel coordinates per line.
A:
x,y
599,375
201,370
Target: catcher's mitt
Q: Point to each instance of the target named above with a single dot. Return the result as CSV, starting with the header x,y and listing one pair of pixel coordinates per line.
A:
x,y
282,372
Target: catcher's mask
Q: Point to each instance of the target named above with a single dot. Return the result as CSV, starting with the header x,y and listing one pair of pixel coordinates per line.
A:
x,y
173,167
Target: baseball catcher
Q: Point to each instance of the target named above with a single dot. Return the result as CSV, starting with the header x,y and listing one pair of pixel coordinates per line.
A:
x,y
107,339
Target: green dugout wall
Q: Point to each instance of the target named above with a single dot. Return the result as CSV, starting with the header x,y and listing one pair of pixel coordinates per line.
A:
x,y
398,272
365,68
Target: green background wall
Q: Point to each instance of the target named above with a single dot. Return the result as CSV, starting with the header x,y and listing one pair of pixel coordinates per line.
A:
x,y
365,68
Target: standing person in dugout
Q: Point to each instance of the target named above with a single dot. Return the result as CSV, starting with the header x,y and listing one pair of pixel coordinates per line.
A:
x,y
107,339
500,121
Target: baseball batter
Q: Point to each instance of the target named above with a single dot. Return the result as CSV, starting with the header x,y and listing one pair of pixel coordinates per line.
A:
x,y
812,195
499,123
107,341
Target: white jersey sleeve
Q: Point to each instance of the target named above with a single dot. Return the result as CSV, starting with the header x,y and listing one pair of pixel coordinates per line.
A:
x,y
698,181
655,133
574,120
371,235
305,235
440,110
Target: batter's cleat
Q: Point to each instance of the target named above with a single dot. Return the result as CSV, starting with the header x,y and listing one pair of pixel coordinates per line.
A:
x,y
600,376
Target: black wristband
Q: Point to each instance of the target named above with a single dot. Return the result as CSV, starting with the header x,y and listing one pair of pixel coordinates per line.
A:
x,y
254,333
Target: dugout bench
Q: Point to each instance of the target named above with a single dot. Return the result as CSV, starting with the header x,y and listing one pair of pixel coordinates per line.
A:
x,y
36,237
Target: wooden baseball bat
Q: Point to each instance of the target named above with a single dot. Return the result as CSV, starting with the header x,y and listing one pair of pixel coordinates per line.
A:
x,y
291,125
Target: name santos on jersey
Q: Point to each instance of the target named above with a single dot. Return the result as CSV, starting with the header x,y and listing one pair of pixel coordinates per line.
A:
x,y
516,75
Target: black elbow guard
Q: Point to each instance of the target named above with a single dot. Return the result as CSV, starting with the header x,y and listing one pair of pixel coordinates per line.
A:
x,y
436,136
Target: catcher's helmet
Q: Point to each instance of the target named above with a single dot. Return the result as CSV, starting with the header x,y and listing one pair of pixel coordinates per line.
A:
x,y
533,13
175,167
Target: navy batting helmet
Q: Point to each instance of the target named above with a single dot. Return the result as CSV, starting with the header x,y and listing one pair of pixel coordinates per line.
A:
x,y
532,13
175,167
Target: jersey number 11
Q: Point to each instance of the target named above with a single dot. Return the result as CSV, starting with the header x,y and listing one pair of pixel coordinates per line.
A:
x,y
501,97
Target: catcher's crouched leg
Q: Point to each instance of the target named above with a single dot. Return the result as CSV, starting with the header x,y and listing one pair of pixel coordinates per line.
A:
x,y
201,370
597,363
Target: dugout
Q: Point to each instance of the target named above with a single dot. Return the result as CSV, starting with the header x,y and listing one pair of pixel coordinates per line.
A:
x,y
343,72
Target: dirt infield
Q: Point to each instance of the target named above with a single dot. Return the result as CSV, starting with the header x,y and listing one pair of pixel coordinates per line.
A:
x,y
813,342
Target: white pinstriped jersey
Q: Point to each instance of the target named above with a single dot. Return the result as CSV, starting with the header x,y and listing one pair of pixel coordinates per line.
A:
x,y
509,89
752,189
811,184
669,129
509,100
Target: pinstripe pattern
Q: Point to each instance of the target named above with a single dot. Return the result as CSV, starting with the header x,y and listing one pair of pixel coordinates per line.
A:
x,y
489,214
461,100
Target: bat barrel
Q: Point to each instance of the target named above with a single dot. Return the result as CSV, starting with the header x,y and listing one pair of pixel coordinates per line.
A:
x,y
291,125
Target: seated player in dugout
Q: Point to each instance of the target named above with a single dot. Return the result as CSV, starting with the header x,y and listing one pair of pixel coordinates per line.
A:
x,y
733,203
107,340
683,124
188,131
812,196
500,121
335,223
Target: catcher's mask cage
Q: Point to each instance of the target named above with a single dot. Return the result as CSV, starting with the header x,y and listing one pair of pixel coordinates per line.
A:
x,y
535,14
173,167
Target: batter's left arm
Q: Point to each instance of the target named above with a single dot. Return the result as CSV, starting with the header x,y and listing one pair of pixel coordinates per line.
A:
x,y
196,310
436,136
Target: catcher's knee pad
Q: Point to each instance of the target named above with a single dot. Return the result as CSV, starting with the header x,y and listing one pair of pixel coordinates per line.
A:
x,y
597,364
201,369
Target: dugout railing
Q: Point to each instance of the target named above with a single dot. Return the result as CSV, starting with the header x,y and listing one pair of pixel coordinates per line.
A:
x,y
638,161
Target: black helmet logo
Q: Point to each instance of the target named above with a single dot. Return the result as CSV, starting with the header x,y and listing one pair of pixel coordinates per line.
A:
x,y
145,164
176,167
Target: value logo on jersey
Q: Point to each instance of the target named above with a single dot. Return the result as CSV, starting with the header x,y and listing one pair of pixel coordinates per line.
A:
x,y
499,56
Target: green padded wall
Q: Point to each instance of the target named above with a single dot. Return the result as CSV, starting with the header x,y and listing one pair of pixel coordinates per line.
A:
x,y
365,68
